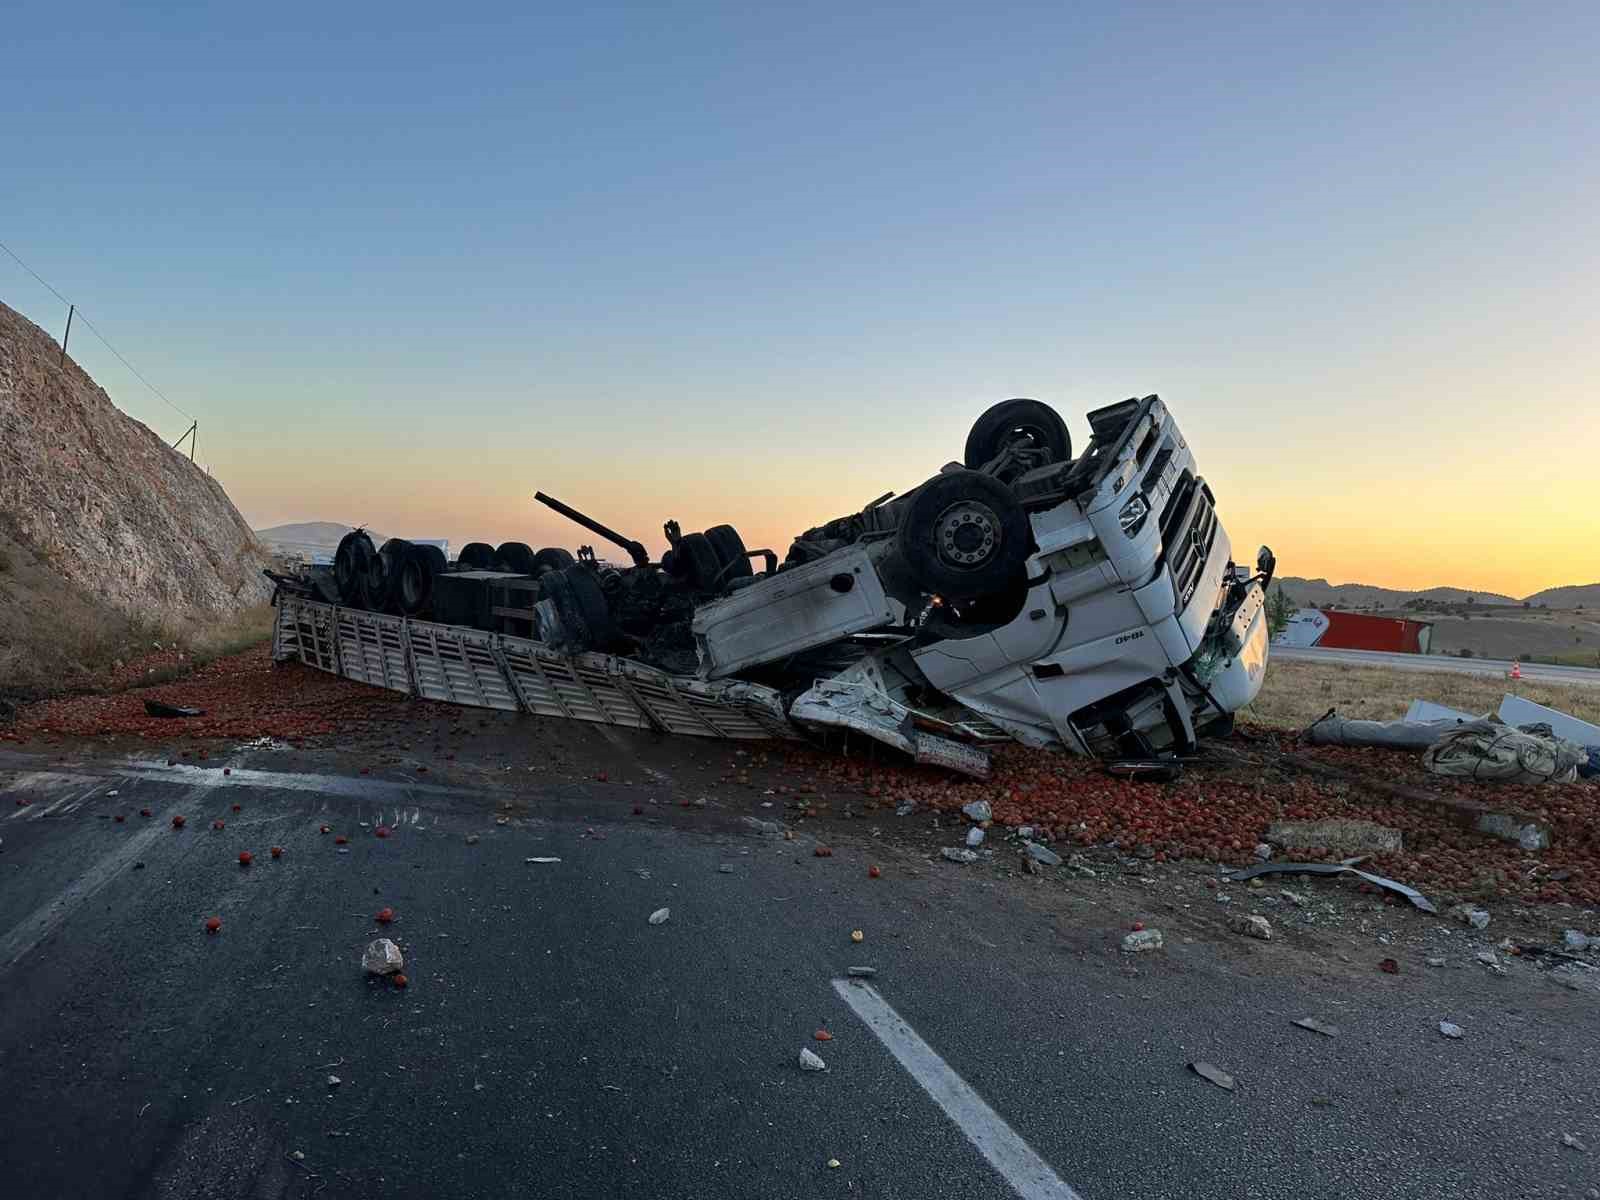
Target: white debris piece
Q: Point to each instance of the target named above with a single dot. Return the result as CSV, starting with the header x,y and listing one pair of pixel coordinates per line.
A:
x,y
334,1081
978,810
659,917
956,854
1141,940
1263,851
1477,918
811,1062
1213,1074
1575,1143
541,860
1252,926
1451,1031
1316,1026
1025,832
1043,854
1489,959
974,836
1573,939
382,957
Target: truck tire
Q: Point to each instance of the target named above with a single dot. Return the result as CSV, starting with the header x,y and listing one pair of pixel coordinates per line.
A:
x,y
434,558
553,558
1009,420
694,560
581,604
350,564
725,540
515,556
964,536
477,556
383,574
414,587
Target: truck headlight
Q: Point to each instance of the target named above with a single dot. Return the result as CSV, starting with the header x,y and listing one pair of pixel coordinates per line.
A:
x,y
1132,516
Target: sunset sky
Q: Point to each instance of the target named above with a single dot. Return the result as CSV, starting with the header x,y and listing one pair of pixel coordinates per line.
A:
x,y
760,263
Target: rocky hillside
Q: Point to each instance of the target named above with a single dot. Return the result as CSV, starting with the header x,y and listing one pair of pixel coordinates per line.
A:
x,y
103,501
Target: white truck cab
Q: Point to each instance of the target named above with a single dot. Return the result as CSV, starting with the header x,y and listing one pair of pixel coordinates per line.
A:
x,y
1127,629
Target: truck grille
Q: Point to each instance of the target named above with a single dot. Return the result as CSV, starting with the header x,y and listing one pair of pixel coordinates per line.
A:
x,y
1188,531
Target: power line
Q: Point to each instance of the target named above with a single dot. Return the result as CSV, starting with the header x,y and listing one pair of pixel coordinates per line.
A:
x,y
84,318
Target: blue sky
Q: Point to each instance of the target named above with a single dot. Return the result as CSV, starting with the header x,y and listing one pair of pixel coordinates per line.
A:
x,y
760,263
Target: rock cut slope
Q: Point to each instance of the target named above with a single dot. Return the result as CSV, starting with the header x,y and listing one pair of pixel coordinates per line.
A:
x,y
105,502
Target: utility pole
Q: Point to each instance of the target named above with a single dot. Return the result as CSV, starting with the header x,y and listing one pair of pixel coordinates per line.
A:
x,y
71,308
193,434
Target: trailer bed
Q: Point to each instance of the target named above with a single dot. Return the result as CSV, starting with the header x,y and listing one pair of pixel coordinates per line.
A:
x,y
459,665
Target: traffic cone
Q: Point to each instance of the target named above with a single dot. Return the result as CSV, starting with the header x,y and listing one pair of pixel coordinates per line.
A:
x,y
1516,669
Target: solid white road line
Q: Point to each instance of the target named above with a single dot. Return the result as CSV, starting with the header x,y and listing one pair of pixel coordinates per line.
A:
x,y
1029,1175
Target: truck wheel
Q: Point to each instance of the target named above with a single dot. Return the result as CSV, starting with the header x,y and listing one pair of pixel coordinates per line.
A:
x,y
964,536
414,588
552,558
582,607
477,556
1011,420
725,540
696,561
515,556
433,558
350,564
383,573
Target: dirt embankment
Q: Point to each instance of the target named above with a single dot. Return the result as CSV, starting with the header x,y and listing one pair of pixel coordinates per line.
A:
x,y
108,536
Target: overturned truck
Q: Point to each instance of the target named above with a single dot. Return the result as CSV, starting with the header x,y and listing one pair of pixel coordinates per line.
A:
x,y
1083,602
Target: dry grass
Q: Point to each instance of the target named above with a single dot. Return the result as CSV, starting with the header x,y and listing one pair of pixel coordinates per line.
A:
x,y
1296,693
56,638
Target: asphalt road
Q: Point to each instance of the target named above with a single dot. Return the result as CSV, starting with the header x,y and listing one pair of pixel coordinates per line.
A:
x,y
553,1043
1539,672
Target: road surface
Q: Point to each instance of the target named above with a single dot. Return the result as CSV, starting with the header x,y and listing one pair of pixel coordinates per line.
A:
x,y
1537,672
553,1043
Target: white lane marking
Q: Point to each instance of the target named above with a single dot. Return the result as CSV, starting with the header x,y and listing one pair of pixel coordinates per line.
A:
x,y
1029,1175
47,918
42,781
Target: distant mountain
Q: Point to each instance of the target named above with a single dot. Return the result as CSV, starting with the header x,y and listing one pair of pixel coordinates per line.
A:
x,y
1315,593
306,536
1571,596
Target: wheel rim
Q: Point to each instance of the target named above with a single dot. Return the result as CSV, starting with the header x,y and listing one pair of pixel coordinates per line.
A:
x,y
1037,437
967,534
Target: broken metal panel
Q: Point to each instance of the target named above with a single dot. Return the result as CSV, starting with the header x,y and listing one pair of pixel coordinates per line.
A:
x,y
862,708
792,611
834,704
1514,710
1290,868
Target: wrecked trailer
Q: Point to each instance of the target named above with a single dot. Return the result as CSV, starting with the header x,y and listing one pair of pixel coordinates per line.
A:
x,y
1082,602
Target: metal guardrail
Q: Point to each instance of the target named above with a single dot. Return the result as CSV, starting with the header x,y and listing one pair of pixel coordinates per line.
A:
x,y
457,665
1449,664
